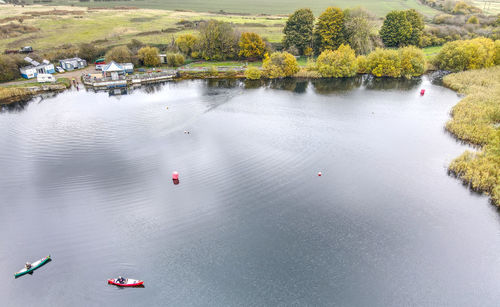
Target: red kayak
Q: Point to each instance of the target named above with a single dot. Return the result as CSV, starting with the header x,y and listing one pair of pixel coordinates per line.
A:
x,y
126,282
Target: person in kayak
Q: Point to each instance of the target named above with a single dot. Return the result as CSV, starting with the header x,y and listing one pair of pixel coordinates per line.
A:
x,y
120,280
27,265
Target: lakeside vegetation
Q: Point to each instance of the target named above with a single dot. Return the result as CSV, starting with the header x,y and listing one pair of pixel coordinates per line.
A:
x,y
476,119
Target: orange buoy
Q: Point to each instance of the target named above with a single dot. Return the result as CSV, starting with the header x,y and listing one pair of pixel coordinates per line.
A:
x,y
422,92
175,176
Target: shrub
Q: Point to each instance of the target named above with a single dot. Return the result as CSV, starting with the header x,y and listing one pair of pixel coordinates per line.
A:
x,y
90,52
280,64
175,59
253,73
149,56
362,62
466,54
473,20
120,54
213,71
384,63
8,69
412,61
339,63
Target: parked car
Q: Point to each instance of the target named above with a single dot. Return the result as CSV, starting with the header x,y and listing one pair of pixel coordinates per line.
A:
x,y
60,69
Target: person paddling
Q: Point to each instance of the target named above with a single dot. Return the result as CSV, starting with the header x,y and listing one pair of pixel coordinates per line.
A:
x,y
27,265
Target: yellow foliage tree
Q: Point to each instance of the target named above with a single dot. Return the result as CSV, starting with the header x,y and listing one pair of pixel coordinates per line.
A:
x,y
280,65
186,43
149,56
337,64
412,61
251,45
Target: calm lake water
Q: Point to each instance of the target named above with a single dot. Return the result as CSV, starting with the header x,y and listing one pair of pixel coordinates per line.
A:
x,y
86,177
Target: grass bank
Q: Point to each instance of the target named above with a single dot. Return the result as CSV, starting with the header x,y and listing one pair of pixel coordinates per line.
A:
x,y
476,120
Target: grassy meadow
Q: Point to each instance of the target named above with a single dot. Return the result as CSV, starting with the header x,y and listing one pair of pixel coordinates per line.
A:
x,y
476,119
378,7
111,27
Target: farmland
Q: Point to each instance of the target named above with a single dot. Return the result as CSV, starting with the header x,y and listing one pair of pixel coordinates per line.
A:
x,y
378,7
73,25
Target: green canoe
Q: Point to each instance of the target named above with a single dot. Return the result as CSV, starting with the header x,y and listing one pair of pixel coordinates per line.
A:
x,y
35,265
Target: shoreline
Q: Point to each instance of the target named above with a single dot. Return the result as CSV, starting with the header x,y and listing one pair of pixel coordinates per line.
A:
x,y
475,121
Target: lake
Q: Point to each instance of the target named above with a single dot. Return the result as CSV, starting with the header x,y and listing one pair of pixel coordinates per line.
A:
x,y
87,178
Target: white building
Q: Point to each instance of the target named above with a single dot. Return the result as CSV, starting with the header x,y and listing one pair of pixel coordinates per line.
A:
x,y
36,68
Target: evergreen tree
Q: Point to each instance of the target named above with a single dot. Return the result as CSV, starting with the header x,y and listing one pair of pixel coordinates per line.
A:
x,y
299,30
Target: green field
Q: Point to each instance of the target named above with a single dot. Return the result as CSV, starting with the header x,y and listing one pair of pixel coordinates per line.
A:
x,y
378,7
431,51
74,25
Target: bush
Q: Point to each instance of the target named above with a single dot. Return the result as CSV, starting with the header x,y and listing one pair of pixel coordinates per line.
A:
x,y
337,64
473,20
279,65
120,54
412,62
8,69
362,62
90,52
149,56
466,54
253,73
175,59
213,71
384,63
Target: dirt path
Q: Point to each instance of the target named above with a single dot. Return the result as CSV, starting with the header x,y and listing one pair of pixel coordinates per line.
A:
x,y
69,74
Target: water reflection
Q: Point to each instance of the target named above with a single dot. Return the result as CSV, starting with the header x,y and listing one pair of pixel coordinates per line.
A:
x,y
373,83
327,86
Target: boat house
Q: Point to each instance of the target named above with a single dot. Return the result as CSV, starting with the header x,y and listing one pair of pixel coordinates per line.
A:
x,y
114,70
73,63
36,68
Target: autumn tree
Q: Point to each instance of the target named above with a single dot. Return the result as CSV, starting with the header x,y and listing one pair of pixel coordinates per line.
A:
x,y
280,65
402,28
359,28
417,27
120,54
186,43
251,46
412,61
217,41
337,64
329,30
384,63
149,56
299,30
466,54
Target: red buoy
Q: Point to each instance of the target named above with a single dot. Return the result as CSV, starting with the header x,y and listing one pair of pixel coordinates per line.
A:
x,y
422,92
319,174
175,176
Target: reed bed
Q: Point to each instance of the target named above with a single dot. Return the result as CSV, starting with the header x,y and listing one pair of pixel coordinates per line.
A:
x,y
476,120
